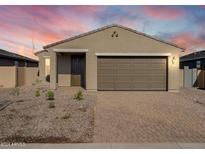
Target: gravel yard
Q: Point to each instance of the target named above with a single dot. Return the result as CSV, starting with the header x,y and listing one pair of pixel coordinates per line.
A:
x,y
108,116
154,117
29,119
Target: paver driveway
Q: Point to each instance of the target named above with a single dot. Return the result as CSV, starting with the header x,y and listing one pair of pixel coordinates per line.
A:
x,y
150,116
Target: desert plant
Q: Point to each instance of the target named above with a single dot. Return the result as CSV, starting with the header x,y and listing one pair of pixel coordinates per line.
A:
x,y
50,95
37,93
78,96
15,92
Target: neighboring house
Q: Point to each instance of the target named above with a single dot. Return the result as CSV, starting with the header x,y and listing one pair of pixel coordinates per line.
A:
x,y
16,70
113,57
193,60
12,59
193,66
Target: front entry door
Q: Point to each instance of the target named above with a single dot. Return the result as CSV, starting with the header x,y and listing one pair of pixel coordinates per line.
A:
x,y
78,70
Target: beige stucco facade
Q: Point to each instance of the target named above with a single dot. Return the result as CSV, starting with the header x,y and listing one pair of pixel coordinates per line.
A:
x,y
26,76
102,42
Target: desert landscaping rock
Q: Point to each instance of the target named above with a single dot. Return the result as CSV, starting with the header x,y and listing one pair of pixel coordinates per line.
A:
x,y
103,117
31,120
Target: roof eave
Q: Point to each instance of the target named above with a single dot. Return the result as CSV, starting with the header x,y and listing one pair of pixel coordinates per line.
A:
x,y
38,52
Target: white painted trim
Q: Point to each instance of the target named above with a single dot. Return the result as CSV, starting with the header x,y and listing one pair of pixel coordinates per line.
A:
x,y
133,54
70,50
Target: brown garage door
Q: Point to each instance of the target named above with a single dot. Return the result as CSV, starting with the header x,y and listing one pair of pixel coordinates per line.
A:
x,y
132,73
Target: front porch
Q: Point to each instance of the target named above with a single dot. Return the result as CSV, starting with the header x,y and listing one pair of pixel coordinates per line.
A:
x,y
68,69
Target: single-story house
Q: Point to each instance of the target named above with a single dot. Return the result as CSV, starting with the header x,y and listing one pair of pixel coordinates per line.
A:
x,y
113,57
193,66
16,70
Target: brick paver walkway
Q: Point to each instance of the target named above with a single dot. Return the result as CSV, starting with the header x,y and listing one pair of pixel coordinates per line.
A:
x,y
142,117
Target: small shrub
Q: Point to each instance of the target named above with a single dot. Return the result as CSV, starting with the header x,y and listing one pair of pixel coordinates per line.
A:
x,y
15,92
37,93
50,95
78,96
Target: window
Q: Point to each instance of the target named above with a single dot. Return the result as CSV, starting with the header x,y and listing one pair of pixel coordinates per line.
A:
x,y
47,66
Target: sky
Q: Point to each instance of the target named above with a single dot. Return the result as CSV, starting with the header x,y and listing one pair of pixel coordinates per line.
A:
x,y
26,29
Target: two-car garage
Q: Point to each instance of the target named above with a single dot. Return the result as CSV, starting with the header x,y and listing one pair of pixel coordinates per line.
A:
x,y
132,73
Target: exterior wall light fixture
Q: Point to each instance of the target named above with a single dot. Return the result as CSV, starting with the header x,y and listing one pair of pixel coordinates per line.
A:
x,y
173,60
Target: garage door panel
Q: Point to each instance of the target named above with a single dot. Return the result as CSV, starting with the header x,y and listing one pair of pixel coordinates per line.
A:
x,y
122,78
105,72
122,85
123,71
132,73
122,66
148,77
106,86
107,79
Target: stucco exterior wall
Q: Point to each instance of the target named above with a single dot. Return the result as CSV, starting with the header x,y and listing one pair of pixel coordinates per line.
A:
x,y
26,76
8,76
126,42
31,75
20,76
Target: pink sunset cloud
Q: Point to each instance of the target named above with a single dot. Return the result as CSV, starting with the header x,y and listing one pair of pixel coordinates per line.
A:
x,y
163,12
41,24
189,41
19,49
87,9
22,27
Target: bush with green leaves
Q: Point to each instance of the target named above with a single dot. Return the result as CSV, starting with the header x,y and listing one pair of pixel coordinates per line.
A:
x,y
78,96
37,93
50,95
